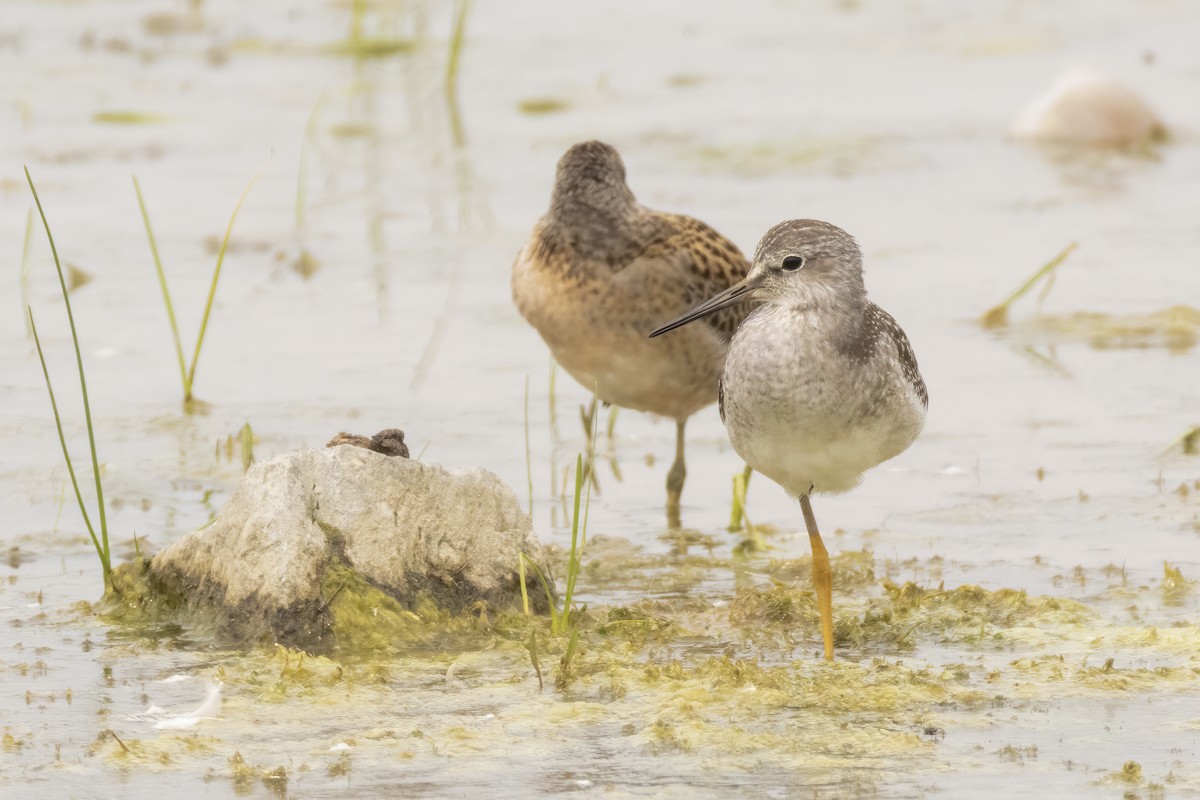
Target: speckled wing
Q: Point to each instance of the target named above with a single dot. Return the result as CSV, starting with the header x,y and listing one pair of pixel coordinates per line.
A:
x,y
885,324
713,264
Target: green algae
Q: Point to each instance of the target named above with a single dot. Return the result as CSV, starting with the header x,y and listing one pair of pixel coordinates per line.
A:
x,y
965,614
294,673
637,625
710,676
837,155
365,620
715,678
370,47
1176,328
538,106
137,598
1175,587
354,616
156,751
129,118
364,617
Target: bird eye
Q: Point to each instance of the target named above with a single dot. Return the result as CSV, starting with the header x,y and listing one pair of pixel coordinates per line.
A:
x,y
793,263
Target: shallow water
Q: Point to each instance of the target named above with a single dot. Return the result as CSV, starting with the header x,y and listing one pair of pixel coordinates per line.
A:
x,y
1042,467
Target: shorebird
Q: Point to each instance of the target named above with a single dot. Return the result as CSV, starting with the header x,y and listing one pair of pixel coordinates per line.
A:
x,y
820,384
600,270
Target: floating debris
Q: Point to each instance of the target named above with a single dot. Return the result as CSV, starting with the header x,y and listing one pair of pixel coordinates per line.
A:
x,y
1188,442
209,709
1176,328
364,47
542,105
177,678
129,118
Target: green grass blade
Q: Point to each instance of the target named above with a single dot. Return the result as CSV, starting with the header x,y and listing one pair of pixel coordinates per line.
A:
x,y
573,555
246,442
212,291
524,588
997,316
62,440
531,646
555,617
25,250
568,655
310,133
358,12
587,503
461,10
162,282
87,410
551,400
528,451
741,484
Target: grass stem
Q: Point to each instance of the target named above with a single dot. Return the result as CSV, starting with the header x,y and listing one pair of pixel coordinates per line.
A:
x,y
187,372
997,317
212,291
62,440
102,546
461,10
524,589
528,450
162,282
741,484
25,250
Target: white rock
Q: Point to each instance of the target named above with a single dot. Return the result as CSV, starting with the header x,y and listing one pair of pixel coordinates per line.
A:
x,y
1087,109
409,528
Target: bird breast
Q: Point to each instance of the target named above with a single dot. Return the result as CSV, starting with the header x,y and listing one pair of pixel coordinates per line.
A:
x,y
806,411
595,322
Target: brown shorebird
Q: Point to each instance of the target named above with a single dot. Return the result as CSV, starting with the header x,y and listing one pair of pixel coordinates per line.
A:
x,y
600,270
820,384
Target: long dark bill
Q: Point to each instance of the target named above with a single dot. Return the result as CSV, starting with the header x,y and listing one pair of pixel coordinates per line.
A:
x,y
738,293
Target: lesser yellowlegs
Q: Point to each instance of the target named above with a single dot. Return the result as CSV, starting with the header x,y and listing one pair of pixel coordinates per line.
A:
x,y
820,384
600,270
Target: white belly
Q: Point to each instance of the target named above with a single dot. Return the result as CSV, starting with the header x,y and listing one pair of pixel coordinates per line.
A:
x,y
798,456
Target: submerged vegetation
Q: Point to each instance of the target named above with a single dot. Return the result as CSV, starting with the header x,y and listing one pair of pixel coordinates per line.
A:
x,y
997,316
1177,327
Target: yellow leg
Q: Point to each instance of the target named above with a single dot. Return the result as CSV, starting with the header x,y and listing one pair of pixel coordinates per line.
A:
x,y
822,576
675,478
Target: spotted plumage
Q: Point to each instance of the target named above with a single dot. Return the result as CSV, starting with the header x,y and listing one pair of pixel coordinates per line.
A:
x,y
600,270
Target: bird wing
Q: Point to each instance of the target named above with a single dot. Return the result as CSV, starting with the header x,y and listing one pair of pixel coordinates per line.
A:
x,y
710,264
886,325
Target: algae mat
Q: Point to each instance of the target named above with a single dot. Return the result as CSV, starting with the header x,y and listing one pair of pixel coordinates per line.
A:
x,y
717,689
